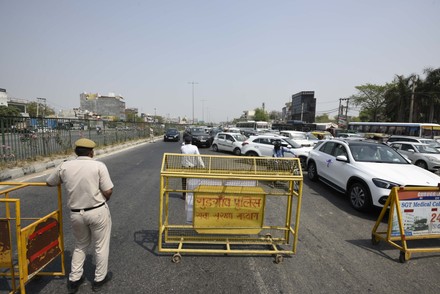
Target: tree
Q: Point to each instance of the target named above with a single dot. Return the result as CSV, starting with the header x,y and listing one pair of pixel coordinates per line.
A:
x,y
275,115
371,99
430,90
397,99
9,111
37,109
323,118
260,115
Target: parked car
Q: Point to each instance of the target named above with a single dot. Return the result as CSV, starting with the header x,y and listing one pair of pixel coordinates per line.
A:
x,y
199,137
212,133
351,136
431,142
365,171
262,145
171,135
299,137
230,142
422,155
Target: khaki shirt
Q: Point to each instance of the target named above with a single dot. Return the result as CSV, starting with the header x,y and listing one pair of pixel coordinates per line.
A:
x,y
84,179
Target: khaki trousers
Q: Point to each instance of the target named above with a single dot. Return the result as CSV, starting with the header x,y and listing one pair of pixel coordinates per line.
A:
x,y
87,226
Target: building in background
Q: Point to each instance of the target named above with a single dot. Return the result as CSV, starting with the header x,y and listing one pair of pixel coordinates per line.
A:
x,y
3,97
304,106
286,111
107,107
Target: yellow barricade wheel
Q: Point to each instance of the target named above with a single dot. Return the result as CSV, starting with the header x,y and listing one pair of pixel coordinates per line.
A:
x,y
177,258
278,258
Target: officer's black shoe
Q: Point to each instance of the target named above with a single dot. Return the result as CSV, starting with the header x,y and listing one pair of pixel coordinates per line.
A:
x,y
96,286
72,287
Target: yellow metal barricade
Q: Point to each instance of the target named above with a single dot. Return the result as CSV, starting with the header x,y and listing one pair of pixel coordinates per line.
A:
x,y
28,244
414,214
233,205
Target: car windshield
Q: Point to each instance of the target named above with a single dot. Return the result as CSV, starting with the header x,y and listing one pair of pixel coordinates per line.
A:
x,y
172,131
239,137
431,142
292,143
197,130
376,153
299,136
426,149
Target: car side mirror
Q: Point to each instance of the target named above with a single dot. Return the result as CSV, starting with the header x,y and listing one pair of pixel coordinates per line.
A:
x,y
411,150
342,158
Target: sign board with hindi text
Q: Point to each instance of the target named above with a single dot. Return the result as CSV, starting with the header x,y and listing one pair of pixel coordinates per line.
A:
x,y
228,209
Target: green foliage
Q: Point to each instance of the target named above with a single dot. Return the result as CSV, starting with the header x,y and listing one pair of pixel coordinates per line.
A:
x,y
323,118
39,110
371,98
9,111
406,98
260,115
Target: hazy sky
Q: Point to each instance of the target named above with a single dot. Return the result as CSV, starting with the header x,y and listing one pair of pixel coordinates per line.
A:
x,y
241,53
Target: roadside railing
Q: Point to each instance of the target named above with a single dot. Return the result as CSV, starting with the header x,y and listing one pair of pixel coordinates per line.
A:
x,y
28,139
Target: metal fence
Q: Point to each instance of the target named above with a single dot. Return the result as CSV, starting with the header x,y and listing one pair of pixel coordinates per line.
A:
x,y
24,139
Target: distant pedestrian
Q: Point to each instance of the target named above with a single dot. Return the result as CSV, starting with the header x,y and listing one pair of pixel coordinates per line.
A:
x,y
279,149
89,187
152,135
190,161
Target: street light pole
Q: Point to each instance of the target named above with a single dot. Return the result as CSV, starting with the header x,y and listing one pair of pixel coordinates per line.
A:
x,y
193,83
203,109
38,103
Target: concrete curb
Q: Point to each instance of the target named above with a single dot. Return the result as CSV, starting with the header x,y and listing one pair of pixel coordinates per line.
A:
x,y
36,167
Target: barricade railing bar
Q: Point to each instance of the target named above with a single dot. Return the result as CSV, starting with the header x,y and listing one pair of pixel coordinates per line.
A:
x,y
29,243
232,205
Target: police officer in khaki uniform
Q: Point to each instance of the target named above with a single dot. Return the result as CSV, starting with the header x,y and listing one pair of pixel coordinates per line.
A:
x,y
89,187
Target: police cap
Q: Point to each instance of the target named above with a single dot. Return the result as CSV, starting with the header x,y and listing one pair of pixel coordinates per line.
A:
x,y
85,143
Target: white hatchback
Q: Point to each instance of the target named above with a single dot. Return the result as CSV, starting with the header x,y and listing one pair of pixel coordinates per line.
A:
x,y
263,145
299,137
230,142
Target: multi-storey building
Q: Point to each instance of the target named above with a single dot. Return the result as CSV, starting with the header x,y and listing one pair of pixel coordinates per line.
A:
x,y
304,106
111,106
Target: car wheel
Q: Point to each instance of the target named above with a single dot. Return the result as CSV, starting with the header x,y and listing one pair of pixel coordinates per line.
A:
x,y
237,151
312,172
360,197
215,148
421,163
252,153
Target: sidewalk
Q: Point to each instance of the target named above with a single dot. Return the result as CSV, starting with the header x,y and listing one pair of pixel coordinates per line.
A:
x,y
39,166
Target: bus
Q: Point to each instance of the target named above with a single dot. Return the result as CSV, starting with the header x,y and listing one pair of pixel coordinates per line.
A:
x,y
251,125
423,130
294,125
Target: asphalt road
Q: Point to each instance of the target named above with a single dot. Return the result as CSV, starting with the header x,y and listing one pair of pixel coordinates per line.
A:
x,y
334,254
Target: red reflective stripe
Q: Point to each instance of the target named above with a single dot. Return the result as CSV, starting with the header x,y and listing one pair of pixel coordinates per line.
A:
x,y
42,230
44,250
409,210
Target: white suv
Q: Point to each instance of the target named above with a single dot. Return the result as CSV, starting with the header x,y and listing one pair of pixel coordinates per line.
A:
x,y
230,142
365,171
262,145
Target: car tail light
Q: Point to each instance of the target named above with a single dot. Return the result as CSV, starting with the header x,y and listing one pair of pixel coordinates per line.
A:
x,y
244,143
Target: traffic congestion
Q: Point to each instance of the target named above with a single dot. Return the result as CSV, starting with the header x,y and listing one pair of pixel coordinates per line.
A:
x,y
335,242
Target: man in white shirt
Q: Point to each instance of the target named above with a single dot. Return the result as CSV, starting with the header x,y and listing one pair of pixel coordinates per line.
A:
x,y
189,161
